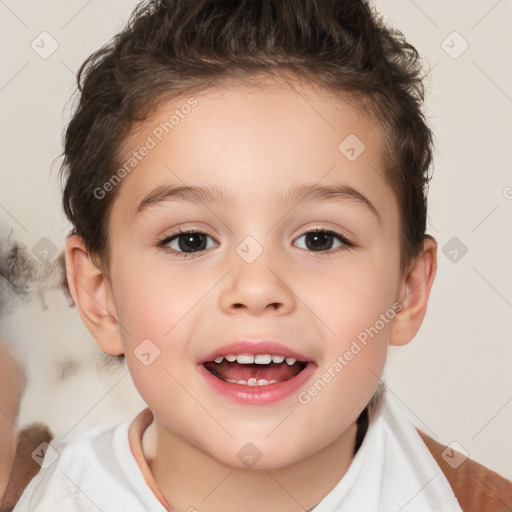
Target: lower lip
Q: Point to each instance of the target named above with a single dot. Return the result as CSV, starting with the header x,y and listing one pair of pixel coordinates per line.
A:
x,y
257,395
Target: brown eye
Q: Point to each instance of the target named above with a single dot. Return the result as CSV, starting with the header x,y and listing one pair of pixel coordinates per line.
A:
x,y
191,242
323,240
187,243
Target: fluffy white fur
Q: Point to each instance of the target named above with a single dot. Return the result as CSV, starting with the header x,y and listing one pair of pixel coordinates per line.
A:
x,y
70,385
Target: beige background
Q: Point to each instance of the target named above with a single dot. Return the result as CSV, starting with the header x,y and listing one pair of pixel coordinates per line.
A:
x,y
455,378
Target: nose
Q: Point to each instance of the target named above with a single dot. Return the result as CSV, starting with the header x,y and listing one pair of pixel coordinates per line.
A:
x,y
255,288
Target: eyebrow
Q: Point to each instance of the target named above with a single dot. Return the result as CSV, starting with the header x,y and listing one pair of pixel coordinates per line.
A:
x,y
337,192
219,195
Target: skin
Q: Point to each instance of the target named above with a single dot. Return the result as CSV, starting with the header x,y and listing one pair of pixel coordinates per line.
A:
x,y
257,141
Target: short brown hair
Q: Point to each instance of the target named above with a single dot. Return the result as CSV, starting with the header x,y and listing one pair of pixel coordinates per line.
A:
x,y
172,47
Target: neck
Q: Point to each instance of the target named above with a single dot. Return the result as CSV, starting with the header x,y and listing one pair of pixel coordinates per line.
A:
x,y
192,480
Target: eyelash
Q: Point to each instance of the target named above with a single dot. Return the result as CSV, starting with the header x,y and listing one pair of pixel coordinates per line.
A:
x,y
163,244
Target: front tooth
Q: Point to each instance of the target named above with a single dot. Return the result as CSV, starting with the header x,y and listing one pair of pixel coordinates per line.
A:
x,y
263,359
219,359
245,359
290,360
252,382
231,358
262,382
277,359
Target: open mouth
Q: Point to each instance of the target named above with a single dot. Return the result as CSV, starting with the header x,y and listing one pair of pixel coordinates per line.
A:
x,y
254,370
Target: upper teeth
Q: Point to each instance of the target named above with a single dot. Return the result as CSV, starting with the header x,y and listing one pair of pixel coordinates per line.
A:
x,y
258,359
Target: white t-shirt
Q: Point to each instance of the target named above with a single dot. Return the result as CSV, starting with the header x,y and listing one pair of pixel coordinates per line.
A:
x,y
392,471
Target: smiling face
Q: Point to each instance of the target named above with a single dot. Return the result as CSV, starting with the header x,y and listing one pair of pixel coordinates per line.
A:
x,y
250,174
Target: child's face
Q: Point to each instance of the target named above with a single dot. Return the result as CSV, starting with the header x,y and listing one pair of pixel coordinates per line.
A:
x,y
313,295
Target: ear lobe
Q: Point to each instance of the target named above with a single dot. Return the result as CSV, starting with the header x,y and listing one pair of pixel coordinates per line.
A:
x,y
92,296
414,294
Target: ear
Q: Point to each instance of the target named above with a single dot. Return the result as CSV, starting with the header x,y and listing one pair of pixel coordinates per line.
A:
x,y
414,294
92,294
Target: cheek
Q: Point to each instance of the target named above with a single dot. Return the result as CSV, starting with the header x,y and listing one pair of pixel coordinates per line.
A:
x,y
151,300
357,311
156,313
356,299
154,341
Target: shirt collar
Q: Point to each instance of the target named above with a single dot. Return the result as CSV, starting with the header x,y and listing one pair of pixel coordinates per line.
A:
x,y
135,433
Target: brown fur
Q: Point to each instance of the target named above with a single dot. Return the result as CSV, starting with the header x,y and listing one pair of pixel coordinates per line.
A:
x,y
24,468
477,488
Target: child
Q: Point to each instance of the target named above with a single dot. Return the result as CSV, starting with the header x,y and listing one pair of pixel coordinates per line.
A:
x,y
284,141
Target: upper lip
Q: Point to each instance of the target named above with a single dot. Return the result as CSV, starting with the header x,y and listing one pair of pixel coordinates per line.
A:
x,y
255,347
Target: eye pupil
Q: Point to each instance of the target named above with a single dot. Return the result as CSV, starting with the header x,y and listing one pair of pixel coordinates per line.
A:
x,y
317,240
190,242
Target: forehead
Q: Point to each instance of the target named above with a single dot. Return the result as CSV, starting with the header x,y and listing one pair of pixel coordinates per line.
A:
x,y
256,140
